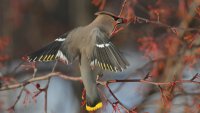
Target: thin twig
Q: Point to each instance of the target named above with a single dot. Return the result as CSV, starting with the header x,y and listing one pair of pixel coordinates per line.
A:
x,y
123,7
46,95
54,67
43,77
47,87
117,100
17,100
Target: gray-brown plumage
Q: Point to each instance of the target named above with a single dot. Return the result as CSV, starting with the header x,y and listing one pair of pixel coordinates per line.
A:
x,y
90,44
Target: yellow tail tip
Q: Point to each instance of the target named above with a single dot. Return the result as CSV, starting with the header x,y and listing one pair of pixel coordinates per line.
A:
x,y
97,106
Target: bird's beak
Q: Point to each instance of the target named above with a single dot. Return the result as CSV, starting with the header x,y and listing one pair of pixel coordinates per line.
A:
x,y
121,21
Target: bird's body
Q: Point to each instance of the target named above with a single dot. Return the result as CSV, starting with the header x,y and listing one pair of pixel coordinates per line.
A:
x,y
74,40
88,44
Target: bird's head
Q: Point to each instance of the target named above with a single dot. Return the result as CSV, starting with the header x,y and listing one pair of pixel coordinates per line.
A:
x,y
117,19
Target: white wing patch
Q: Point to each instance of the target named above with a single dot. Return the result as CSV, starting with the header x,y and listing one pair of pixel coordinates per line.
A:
x,y
61,56
60,39
103,45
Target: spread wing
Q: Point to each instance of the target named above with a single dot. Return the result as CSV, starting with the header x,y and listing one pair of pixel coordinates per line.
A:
x,y
50,52
105,54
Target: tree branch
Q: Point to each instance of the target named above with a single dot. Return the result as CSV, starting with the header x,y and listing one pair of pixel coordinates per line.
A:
x,y
43,77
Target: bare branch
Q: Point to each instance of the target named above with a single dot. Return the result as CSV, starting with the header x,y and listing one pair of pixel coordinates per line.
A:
x,y
12,108
43,77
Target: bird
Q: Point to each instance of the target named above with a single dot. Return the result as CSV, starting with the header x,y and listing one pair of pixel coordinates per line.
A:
x,y
90,45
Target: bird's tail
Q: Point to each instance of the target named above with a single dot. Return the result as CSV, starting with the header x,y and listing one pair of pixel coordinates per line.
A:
x,y
93,103
93,100
50,52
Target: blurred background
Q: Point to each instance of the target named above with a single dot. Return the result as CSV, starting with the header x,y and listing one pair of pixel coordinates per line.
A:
x,y
163,42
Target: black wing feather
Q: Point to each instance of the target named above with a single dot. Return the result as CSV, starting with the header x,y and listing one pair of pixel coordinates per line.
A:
x,y
47,53
106,54
50,52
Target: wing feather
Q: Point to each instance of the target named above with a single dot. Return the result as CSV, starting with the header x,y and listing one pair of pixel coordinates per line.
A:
x,y
50,52
106,54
